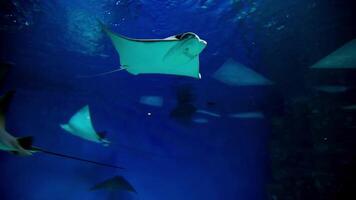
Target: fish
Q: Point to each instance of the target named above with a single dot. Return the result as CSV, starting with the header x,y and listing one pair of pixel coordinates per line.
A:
x,y
115,183
80,125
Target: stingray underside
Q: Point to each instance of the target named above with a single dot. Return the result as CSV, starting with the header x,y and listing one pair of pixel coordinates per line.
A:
x,y
148,56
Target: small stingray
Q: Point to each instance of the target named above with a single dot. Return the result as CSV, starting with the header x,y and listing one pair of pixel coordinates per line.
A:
x,y
235,74
331,88
80,125
248,115
209,113
175,55
351,107
342,58
155,101
115,183
23,145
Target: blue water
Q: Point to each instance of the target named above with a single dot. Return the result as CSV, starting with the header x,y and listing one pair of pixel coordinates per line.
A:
x,y
56,42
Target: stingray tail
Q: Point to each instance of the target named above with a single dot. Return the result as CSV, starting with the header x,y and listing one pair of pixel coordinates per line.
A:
x,y
102,74
26,143
76,158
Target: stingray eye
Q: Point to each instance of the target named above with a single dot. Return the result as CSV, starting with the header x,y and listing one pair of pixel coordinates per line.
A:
x,y
186,49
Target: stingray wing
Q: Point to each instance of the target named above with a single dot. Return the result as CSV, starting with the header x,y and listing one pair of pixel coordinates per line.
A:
x,y
148,56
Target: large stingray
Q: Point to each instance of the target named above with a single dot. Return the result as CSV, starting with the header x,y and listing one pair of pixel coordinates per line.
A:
x,y
80,125
23,145
175,55
115,183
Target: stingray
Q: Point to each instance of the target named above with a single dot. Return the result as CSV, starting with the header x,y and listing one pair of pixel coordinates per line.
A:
x,y
342,58
248,115
115,183
333,89
350,107
80,125
175,55
235,74
209,113
23,145
155,101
